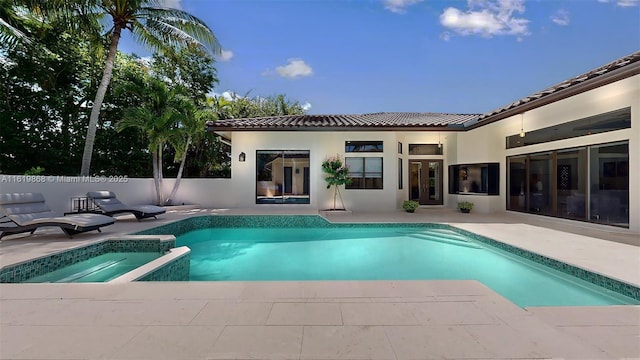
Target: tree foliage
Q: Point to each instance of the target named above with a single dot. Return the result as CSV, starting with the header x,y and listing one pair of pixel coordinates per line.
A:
x,y
336,174
49,77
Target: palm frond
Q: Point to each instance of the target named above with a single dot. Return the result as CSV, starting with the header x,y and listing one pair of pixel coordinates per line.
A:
x,y
178,27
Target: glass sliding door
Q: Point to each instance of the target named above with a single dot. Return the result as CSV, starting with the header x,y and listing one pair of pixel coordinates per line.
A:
x,y
571,177
540,183
282,177
609,189
517,182
588,183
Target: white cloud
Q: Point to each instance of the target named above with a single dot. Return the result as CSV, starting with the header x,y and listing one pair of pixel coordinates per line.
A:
x,y
306,106
172,4
561,17
295,68
487,18
399,6
225,55
623,3
228,95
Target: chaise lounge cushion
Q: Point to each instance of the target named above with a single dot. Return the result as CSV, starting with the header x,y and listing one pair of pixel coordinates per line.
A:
x,y
28,211
110,205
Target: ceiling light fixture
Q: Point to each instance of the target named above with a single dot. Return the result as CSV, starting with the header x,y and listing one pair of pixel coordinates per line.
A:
x,y
522,133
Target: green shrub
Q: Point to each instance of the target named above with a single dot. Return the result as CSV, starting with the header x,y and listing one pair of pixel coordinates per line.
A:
x,y
410,205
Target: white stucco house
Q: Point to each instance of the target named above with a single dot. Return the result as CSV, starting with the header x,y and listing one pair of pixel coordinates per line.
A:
x,y
569,151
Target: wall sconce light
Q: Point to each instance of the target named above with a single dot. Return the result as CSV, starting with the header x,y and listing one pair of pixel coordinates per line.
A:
x,y
522,133
297,170
242,157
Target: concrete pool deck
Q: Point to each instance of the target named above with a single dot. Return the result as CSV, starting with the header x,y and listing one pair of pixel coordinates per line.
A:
x,y
323,319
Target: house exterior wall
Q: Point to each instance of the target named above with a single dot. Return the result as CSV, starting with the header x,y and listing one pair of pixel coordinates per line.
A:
x,y
479,145
320,145
487,143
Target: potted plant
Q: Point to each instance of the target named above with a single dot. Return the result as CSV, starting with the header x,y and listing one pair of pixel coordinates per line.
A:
x,y
410,205
336,174
465,206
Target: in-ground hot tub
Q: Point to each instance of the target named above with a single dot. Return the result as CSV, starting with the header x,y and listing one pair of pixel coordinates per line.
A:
x,y
130,258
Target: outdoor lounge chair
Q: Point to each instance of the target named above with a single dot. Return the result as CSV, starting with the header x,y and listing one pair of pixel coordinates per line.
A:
x,y
110,205
25,212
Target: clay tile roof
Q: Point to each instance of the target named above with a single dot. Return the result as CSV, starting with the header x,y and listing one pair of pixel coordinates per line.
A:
x,y
568,84
381,120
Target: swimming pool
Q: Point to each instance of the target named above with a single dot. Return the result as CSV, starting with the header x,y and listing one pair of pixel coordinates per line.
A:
x,y
101,268
370,252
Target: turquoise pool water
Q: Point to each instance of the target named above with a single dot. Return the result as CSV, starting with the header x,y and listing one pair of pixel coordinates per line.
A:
x,y
382,253
101,268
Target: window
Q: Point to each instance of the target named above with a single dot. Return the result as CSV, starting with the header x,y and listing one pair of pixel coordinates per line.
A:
x,y
282,177
589,183
362,146
475,179
614,120
365,172
400,174
399,148
425,149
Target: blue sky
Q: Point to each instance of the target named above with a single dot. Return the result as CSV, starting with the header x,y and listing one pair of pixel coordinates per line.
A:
x,y
360,56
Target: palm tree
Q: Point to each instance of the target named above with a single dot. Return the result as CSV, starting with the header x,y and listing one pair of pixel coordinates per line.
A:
x,y
157,117
190,130
12,23
150,24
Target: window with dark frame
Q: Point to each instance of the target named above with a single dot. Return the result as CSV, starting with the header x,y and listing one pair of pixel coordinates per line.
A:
x,y
400,174
365,172
425,149
282,177
483,178
363,146
399,147
610,121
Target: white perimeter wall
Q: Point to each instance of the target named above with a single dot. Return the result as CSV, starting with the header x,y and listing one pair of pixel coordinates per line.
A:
x,y
58,191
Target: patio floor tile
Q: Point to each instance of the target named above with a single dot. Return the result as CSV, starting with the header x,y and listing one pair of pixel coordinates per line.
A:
x,y
258,342
452,313
233,313
379,314
345,342
435,342
170,342
305,314
63,342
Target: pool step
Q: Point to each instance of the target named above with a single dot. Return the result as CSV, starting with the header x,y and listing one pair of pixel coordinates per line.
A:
x,y
443,239
447,234
90,271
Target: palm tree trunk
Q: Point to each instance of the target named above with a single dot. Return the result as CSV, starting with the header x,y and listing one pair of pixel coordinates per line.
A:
x,y
179,177
160,176
154,161
97,103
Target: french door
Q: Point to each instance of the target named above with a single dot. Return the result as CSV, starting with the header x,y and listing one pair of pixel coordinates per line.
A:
x,y
425,181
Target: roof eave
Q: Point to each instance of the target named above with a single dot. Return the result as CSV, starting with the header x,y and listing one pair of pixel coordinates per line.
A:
x,y
449,127
596,82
